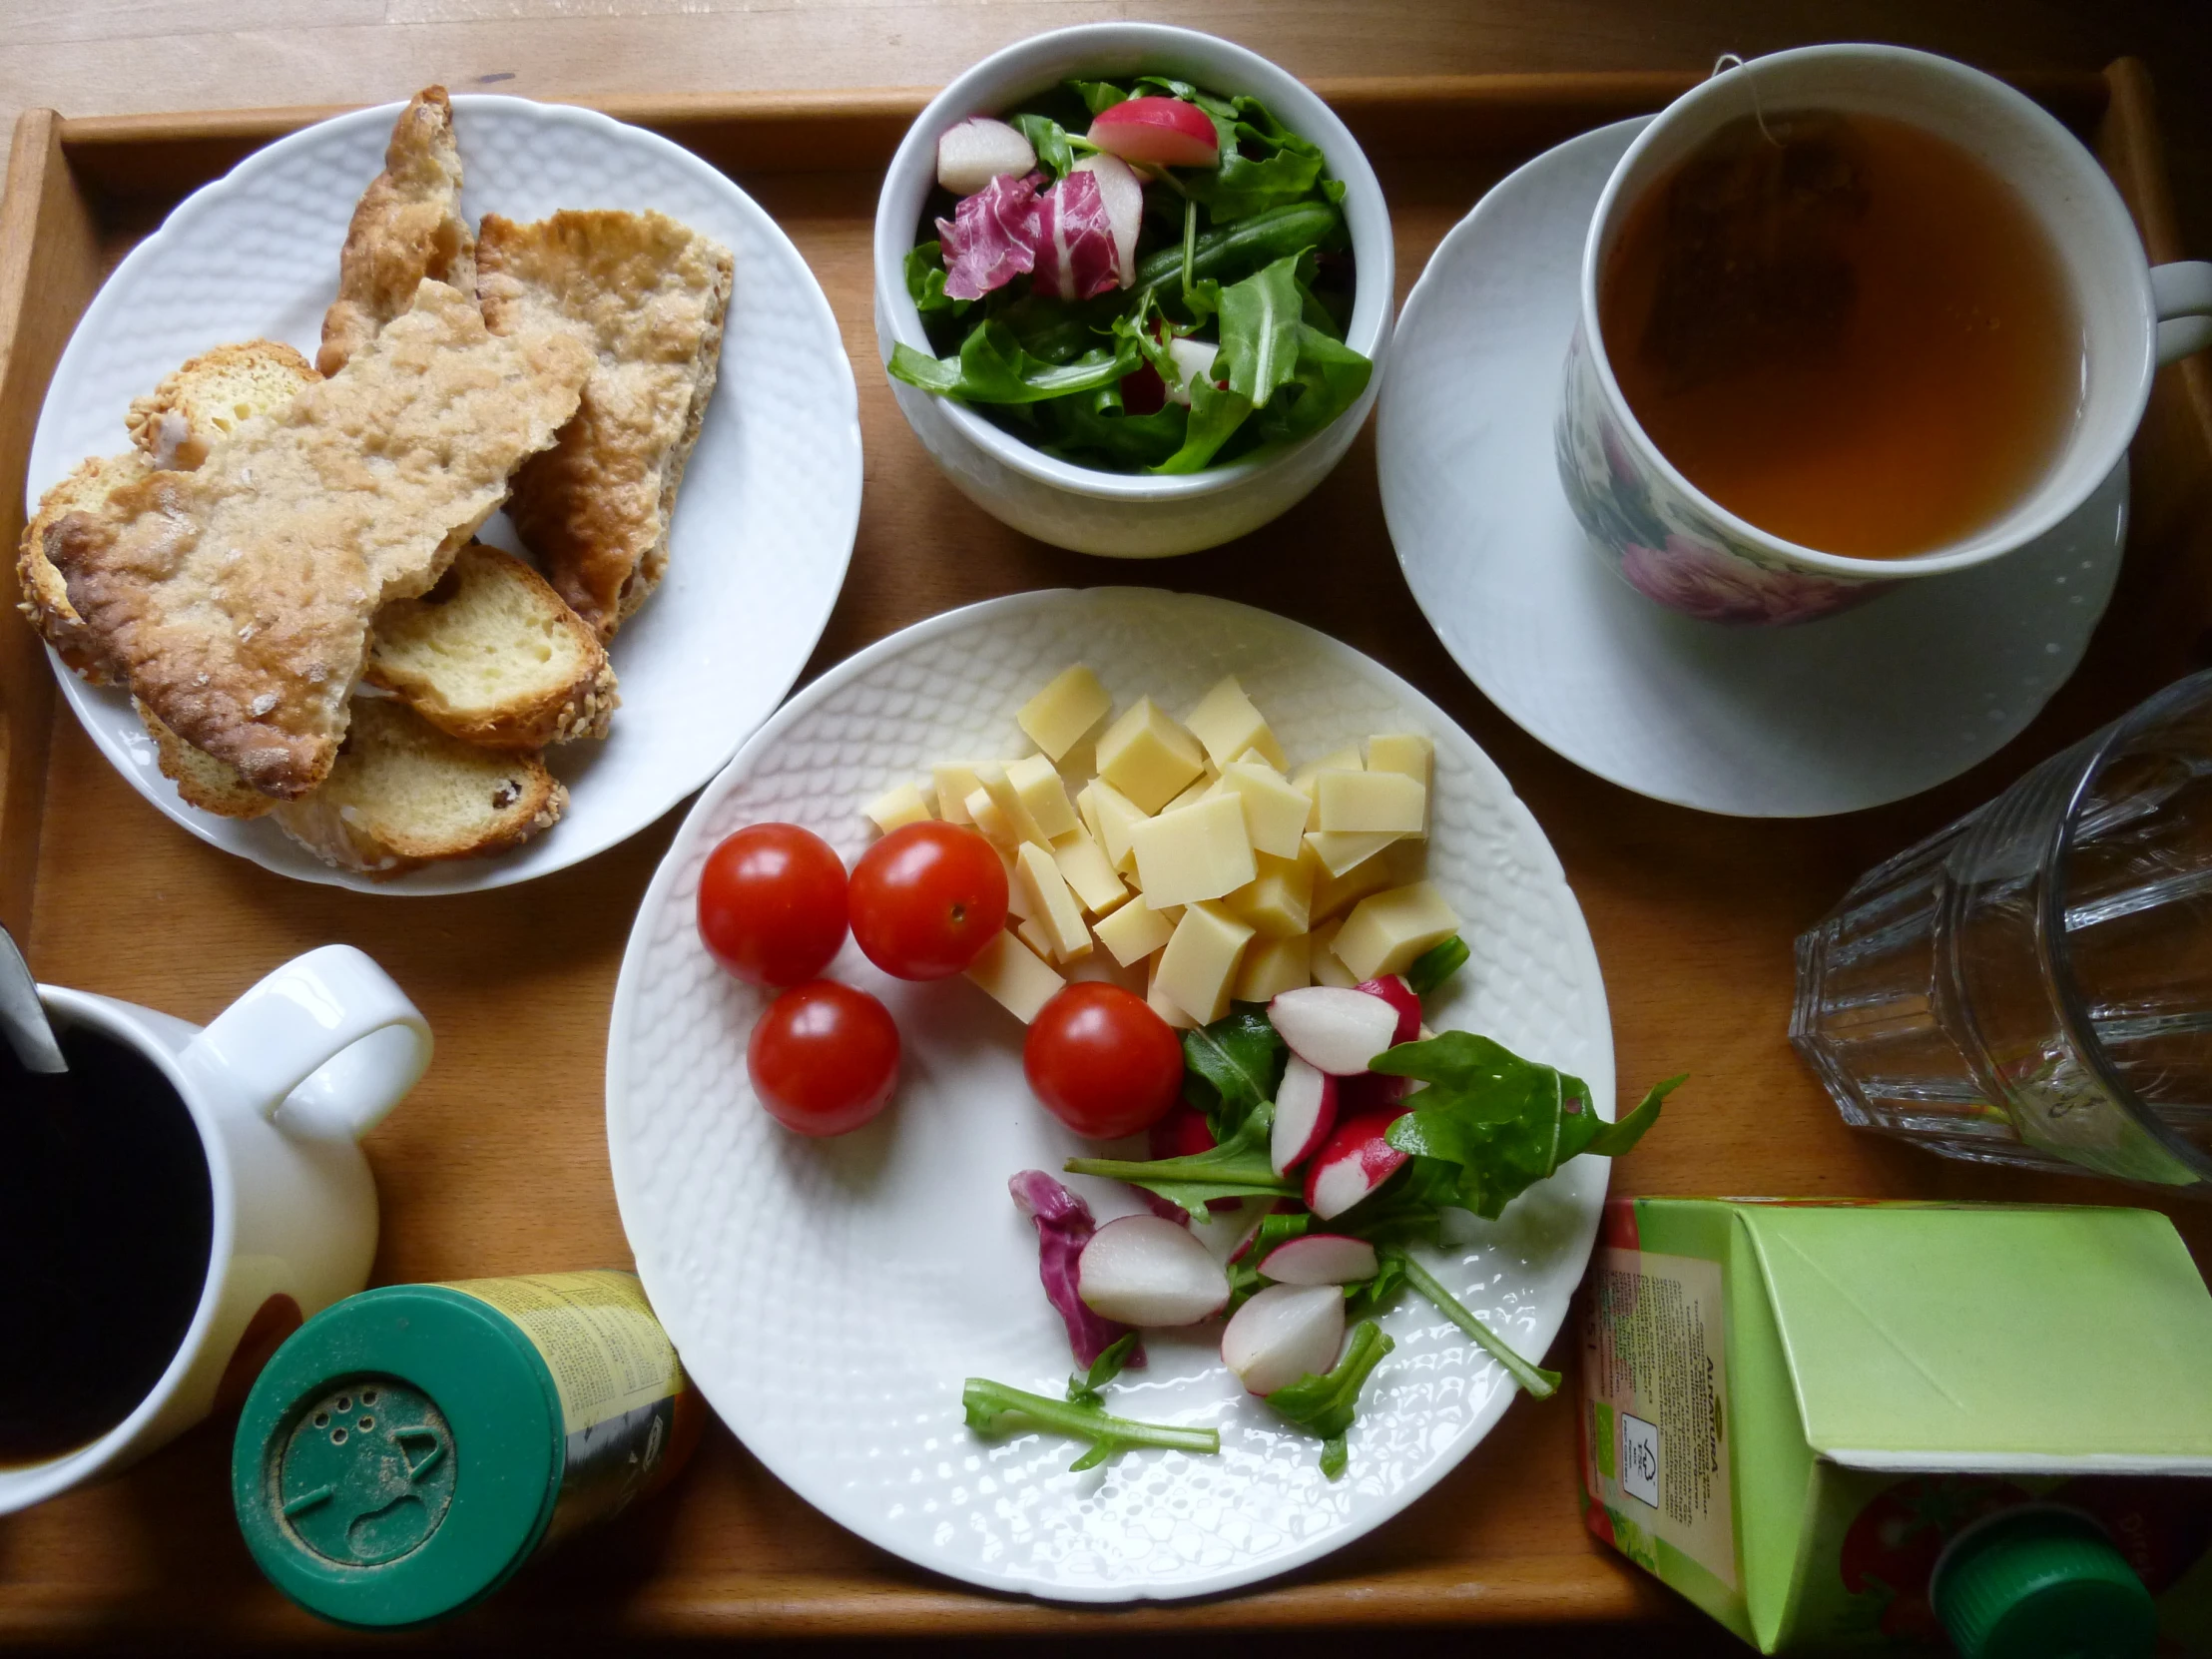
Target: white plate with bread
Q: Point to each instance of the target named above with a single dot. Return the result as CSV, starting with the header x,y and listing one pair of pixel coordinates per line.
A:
x,y
433,528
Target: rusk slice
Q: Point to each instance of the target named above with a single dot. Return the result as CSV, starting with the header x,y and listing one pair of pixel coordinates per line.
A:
x,y
237,598
649,296
494,656
404,794
407,226
212,396
41,594
202,781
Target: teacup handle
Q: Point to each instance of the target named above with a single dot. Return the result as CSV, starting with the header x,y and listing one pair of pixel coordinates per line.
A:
x,y
2182,292
332,1020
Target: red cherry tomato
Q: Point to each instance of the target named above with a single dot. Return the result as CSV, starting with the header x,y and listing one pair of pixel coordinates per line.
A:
x,y
1103,1062
825,1059
772,903
927,898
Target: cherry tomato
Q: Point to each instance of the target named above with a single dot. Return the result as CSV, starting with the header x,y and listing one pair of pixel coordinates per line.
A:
x,y
1103,1062
927,898
772,903
825,1059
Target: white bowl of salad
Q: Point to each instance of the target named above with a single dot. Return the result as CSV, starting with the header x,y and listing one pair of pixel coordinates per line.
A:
x,y
1133,287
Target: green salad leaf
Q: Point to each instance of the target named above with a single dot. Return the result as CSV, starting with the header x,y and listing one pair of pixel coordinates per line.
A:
x,y
1328,1404
925,281
1263,163
1090,1387
1098,96
1260,342
1048,139
1437,964
992,367
988,1406
1232,1066
1236,1168
1538,1383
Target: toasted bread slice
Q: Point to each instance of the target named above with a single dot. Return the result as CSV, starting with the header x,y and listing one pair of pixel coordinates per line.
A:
x,y
237,598
404,794
494,656
202,781
407,226
41,594
212,396
649,296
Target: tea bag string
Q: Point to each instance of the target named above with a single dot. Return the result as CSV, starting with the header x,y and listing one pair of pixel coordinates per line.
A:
x,y
1730,60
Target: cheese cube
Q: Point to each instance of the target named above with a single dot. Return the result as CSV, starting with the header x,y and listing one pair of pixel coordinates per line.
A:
x,y
1227,723
1087,872
983,813
1198,967
894,808
1203,787
1169,913
1275,813
1031,933
1118,817
1043,797
1272,966
1327,969
954,781
1386,930
999,785
1080,764
1148,757
1360,802
1333,894
1015,976
1051,905
1403,751
1277,901
1133,932
1086,809
1341,850
1065,710
1197,852
1159,1003
1305,780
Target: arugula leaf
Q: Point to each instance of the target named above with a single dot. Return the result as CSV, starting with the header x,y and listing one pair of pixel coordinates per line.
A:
x,y
1236,1168
1328,1404
1233,1065
1371,1295
1245,1276
1538,1383
1216,413
1437,964
1206,101
1498,1117
1263,163
1329,377
1259,340
925,281
993,368
988,1405
1098,96
1587,1132
1086,427
1048,139
1087,1390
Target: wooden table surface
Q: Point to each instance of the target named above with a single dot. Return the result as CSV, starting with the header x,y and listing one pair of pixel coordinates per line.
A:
x,y
1716,900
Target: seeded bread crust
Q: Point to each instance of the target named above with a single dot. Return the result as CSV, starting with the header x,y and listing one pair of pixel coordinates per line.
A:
x,y
202,781
41,593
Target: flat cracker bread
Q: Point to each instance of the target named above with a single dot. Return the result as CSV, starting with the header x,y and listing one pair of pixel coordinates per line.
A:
x,y
235,599
407,226
648,295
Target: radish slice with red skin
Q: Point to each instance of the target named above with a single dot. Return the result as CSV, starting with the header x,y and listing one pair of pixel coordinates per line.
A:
x,y
1393,989
1321,1259
1283,1333
1161,132
1147,1272
1370,1091
1124,197
973,151
1305,1112
1334,1029
1355,1161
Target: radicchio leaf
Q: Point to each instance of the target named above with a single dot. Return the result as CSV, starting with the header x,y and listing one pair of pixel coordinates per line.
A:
x,y
992,237
1064,1227
1075,241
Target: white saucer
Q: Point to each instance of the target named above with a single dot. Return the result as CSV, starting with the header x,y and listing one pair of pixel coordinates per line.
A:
x,y
1877,704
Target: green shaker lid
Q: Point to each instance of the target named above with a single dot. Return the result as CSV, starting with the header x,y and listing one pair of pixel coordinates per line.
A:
x,y
2043,1582
398,1457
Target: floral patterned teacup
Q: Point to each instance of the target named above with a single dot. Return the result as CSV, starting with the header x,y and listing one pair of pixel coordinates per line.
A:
x,y
1676,545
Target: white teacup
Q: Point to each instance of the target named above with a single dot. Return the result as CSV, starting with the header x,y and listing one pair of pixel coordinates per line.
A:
x,y
279,1088
1681,548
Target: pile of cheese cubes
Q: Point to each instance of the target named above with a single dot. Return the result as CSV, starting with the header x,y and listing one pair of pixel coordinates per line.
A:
x,y
1186,848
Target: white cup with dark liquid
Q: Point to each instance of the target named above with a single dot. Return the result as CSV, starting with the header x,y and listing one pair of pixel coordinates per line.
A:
x,y
1768,277
180,1202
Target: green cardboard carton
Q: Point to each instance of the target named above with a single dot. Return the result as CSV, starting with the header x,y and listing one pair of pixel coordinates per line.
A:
x,y
1848,1424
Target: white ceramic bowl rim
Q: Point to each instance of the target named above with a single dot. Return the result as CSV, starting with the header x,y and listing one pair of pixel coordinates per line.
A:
x,y
2101,197
1010,75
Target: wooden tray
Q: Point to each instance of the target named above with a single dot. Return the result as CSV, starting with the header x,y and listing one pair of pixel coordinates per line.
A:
x,y
498,1164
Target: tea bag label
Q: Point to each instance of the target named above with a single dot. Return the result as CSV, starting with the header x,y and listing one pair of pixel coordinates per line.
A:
x,y
1655,1371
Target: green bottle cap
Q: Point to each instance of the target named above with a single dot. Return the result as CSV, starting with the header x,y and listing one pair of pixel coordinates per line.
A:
x,y
2042,1583
398,1457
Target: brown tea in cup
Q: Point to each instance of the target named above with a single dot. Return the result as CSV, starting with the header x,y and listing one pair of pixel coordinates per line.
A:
x,y
1846,331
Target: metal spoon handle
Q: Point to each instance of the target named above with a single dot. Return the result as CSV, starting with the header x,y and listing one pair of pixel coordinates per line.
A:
x,y
22,1017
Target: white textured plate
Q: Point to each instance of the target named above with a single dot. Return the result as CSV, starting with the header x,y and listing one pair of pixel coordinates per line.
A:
x,y
830,1296
765,526
1870,706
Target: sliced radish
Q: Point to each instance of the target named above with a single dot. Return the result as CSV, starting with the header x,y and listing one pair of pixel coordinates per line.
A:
x,y
1124,197
1283,1333
1321,1259
1355,1161
1305,1112
1144,1270
1393,989
979,150
1161,132
1373,1091
1194,360
1332,1029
